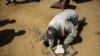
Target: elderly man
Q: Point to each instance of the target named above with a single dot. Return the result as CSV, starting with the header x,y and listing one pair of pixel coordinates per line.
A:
x,y
63,26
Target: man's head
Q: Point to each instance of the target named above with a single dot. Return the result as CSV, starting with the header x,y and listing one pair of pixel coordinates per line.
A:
x,y
51,33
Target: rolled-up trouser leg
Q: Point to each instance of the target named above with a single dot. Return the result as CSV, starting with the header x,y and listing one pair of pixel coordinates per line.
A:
x,y
51,42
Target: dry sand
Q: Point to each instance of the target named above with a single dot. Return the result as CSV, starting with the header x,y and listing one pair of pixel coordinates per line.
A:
x,y
35,16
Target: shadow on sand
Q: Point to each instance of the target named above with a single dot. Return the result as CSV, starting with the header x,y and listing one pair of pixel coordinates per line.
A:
x,y
7,35
6,21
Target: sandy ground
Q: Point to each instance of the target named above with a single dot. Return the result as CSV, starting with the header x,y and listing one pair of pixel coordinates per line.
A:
x,y
29,18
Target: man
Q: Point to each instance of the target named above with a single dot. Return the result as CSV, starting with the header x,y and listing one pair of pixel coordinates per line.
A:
x,y
63,26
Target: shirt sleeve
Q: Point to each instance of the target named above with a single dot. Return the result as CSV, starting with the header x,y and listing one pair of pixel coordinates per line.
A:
x,y
72,34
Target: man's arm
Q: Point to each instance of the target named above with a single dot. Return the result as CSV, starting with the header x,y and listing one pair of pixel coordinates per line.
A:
x,y
71,36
